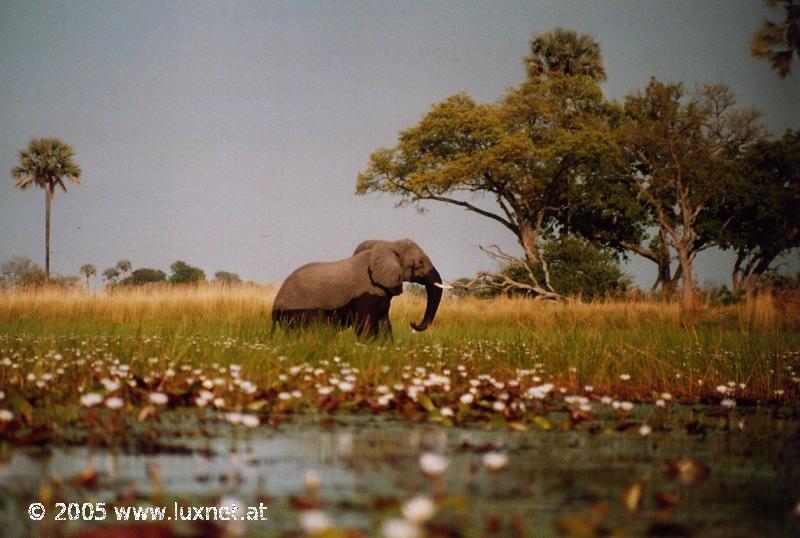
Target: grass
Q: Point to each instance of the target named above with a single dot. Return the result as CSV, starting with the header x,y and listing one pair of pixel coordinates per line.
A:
x,y
56,346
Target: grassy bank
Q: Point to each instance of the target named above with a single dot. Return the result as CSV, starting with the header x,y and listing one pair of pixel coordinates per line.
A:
x,y
213,348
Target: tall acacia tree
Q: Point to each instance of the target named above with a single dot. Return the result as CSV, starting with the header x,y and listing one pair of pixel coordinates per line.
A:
x,y
522,152
47,163
779,42
681,156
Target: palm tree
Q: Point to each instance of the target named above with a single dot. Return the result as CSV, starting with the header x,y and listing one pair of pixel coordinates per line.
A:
x,y
778,42
47,163
88,270
111,275
124,266
567,52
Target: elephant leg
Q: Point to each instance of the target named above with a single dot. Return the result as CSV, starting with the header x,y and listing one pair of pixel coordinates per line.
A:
x,y
385,328
370,313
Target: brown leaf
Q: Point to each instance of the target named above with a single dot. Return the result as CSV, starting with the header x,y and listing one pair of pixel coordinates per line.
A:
x,y
632,496
87,478
665,499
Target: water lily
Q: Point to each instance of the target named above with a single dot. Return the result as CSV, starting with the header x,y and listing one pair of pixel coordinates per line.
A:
x,y
645,430
433,465
494,461
158,398
419,510
399,528
6,415
730,403
114,402
315,521
250,421
466,398
90,399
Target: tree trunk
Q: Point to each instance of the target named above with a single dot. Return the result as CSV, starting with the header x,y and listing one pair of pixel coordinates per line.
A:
x,y
687,276
48,199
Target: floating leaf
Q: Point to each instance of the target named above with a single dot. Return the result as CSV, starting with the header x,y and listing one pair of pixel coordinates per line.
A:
x,y
257,405
425,402
665,499
542,423
632,497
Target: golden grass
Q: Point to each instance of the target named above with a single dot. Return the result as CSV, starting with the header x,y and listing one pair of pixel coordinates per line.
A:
x,y
250,303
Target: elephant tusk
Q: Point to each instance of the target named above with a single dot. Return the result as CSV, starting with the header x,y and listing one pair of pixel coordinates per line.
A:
x,y
443,286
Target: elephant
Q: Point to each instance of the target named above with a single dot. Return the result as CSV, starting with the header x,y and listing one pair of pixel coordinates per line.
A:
x,y
357,291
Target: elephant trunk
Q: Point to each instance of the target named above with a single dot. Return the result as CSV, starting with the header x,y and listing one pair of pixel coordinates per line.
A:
x,y
434,293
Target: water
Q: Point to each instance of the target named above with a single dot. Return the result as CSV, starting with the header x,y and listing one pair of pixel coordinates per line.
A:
x,y
555,482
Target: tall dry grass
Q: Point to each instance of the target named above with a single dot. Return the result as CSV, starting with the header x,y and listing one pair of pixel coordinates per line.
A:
x,y
249,303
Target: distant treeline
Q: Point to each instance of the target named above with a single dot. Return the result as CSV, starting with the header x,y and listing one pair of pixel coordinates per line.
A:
x,y
23,272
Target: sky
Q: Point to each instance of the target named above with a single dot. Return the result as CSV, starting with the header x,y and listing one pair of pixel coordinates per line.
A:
x,y
230,134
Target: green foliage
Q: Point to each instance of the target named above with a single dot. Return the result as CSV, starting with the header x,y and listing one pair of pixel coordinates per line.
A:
x,y
578,269
226,278
565,52
757,216
779,42
183,273
142,276
23,272
46,163
524,152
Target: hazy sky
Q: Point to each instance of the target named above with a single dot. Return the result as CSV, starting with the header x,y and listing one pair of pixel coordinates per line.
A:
x,y
229,135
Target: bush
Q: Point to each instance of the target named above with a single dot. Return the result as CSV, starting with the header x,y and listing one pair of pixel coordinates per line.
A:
x,y
22,272
142,276
226,278
183,273
577,269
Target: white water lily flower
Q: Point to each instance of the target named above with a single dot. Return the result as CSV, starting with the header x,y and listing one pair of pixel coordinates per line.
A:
x,y
625,377
324,391
250,421
446,412
722,389
730,403
494,461
645,430
284,396
6,415
315,521
219,403
626,406
158,398
233,418
660,402
433,465
499,406
114,402
344,386
419,510
90,399
466,398
399,528
109,384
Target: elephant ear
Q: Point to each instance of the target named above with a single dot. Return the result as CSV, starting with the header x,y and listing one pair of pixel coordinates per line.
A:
x,y
384,267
